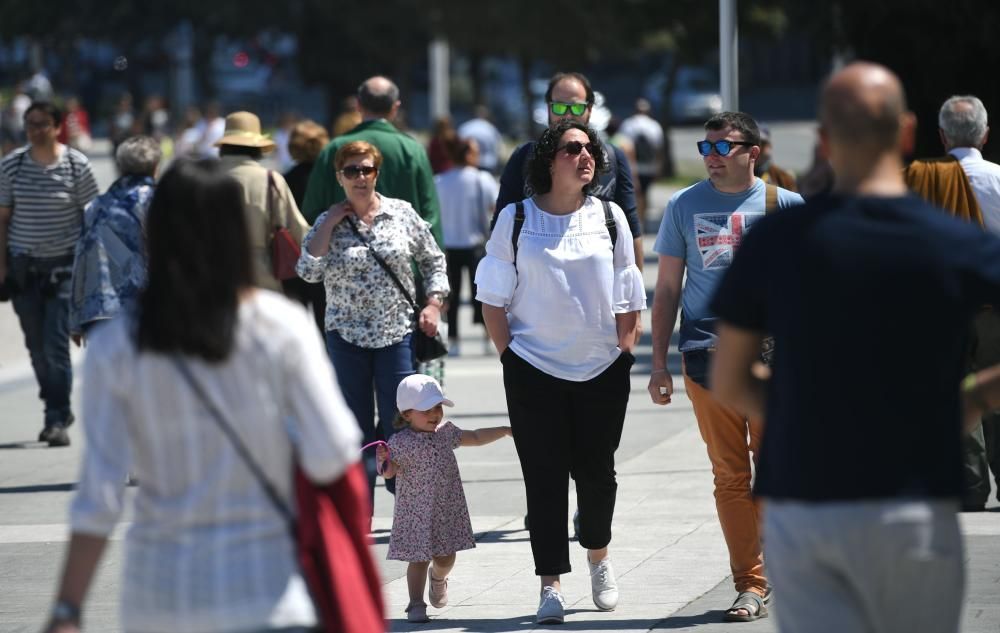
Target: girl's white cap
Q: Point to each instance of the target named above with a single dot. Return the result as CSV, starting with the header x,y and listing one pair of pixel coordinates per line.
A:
x,y
420,392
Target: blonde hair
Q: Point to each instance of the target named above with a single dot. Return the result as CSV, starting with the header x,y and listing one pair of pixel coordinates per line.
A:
x,y
399,422
307,140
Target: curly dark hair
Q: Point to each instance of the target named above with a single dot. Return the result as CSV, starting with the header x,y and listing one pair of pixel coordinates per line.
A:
x,y
540,165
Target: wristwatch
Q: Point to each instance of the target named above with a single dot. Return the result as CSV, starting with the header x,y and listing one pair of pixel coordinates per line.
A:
x,y
437,296
65,612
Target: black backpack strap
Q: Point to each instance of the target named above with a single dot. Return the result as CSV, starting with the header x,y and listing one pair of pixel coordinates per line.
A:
x,y
609,222
518,225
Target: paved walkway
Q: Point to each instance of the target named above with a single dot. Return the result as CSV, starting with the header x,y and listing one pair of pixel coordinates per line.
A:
x,y
667,548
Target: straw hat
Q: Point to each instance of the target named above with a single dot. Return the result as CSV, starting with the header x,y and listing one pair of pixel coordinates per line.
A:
x,y
243,128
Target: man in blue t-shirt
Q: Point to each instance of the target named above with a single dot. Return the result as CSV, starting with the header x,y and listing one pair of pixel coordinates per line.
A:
x,y
868,294
701,231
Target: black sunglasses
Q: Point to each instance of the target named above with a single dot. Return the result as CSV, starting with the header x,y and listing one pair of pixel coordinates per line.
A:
x,y
573,148
722,147
353,171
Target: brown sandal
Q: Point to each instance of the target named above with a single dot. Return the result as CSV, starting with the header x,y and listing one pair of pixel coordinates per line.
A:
x,y
749,601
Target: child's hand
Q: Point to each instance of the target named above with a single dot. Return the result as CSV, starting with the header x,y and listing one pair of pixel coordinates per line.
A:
x,y
380,453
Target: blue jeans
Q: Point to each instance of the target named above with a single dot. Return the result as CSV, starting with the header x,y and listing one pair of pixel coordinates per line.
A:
x,y
360,373
41,301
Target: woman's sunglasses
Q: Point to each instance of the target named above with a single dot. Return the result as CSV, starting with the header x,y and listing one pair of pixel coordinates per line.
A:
x,y
353,171
559,108
573,148
721,147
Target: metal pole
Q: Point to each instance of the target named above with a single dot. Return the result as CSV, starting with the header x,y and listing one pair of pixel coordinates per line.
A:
x,y
729,63
438,56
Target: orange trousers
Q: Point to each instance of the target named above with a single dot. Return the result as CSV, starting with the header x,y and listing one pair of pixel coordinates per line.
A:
x,y
732,441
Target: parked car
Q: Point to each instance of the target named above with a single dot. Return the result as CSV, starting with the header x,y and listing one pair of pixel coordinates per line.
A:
x,y
695,96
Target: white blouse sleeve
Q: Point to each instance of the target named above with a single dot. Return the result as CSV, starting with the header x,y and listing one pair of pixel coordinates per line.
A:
x,y
309,267
496,275
328,438
629,291
100,494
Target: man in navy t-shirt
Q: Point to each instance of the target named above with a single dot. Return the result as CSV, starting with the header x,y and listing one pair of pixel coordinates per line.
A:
x,y
569,96
869,294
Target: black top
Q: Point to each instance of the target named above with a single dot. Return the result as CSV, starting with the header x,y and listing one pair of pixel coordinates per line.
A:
x,y
297,178
870,301
614,185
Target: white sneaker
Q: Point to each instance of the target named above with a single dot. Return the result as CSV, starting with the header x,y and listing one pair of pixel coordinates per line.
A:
x,y
551,608
603,585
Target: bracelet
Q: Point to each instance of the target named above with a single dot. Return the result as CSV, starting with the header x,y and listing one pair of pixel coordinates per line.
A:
x,y
64,611
970,386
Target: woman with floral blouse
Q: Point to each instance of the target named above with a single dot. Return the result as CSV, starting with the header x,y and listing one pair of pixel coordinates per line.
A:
x,y
368,320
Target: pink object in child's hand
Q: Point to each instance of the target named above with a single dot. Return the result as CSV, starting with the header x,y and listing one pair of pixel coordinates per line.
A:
x,y
379,466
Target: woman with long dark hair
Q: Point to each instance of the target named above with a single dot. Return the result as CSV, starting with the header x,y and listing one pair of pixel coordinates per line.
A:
x,y
208,550
561,298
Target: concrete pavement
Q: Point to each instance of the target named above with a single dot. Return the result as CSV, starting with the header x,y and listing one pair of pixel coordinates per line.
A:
x,y
667,548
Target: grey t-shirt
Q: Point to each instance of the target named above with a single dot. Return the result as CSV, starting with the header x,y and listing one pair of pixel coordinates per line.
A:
x,y
704,227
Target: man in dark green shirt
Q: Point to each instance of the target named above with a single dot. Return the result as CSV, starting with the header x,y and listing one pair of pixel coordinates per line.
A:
x,y
405,173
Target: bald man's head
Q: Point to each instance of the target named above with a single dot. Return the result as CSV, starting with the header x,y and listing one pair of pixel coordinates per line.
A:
x,y
378,96
862,105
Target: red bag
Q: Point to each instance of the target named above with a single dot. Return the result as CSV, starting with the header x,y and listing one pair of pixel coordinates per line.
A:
x,y
285,250
335,553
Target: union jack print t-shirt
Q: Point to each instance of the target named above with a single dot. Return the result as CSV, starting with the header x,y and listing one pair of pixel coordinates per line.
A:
x,y
705,227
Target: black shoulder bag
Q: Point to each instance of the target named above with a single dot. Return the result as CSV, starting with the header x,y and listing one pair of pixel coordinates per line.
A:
x,y
425,348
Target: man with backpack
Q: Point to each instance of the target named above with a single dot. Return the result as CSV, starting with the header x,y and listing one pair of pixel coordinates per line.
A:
x,y
701,231
44,188
570,96
646,135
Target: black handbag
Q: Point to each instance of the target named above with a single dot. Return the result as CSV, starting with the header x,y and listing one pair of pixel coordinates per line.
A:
x,y
425,348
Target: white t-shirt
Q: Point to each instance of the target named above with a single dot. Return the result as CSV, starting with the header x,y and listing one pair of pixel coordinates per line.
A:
x,y
207,550
984,177
467,195
566,288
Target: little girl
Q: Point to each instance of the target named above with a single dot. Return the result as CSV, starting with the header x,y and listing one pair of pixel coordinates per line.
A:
x,y
431,519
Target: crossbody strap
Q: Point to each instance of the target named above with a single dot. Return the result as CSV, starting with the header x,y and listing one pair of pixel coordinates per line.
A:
x,y
382,263
241,449
518,225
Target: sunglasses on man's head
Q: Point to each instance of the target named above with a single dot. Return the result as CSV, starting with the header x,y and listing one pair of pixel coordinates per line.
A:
x,y
560,108
573,148
353,171
722,147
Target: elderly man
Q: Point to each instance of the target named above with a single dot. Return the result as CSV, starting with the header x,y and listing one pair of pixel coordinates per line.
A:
x,y
109,268
962,125
405,173
44,188
570,96
860,465
701,231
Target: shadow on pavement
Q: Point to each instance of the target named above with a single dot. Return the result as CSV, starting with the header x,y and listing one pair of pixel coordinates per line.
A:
x,y
39,488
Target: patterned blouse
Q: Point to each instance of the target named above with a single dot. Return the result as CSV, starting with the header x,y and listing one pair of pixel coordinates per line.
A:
x,y
363,304
109,267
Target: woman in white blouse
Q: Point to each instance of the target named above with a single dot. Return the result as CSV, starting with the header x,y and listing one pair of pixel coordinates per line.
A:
x,y
369,322
207,551
561,296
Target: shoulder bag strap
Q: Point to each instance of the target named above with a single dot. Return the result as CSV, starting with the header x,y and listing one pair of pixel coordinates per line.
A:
x,y
382,263
609,222
271,188
238,444
770,198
